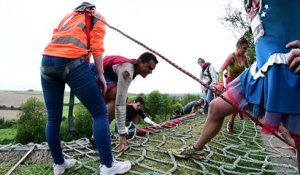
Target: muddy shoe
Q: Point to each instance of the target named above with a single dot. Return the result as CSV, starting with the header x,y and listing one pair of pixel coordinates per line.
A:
x,y
241,116
188,152
229,127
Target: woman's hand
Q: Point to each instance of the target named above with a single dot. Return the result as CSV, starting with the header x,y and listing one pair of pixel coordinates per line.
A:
x,y
220,86
102,84
294,57
122,142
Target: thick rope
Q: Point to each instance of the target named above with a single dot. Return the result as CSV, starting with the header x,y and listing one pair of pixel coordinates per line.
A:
x,y
242,152
243,112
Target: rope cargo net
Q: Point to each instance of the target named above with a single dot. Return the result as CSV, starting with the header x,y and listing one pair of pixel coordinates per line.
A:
x,y
245,151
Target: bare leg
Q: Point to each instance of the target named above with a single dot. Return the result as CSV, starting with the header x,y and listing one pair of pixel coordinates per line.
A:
x,y
218,110
111,110
230,122
232,117
297,144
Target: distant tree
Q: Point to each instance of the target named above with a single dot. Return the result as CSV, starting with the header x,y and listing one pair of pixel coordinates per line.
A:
x,y
188,98
235,20
153,103
175,103
131,98
161,106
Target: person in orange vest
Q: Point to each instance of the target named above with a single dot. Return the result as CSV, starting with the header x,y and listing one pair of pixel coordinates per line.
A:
x,y
119,72
64,61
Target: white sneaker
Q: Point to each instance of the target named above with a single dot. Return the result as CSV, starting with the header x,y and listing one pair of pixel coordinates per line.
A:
x,y
60,169
117,167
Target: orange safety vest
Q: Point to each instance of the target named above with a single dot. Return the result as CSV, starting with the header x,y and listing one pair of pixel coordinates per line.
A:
x,y
70,38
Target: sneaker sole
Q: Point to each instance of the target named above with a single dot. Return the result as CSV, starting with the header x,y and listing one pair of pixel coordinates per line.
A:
x,y
126,170
194,156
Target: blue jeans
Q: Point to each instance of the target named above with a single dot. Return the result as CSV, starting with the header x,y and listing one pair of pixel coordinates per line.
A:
x,y
86,89
208,98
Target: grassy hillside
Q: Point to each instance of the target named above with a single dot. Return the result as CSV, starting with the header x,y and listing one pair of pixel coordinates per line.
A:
x,y
15,99
240,152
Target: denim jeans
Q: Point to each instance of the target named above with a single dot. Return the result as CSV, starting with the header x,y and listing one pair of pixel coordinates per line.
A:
x,y
208,98
86,89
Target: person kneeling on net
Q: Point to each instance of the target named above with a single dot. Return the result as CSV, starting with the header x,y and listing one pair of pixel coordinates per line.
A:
x,y
133,111
192,107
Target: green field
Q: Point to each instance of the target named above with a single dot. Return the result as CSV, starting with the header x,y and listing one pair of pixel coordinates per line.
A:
x,y
7,135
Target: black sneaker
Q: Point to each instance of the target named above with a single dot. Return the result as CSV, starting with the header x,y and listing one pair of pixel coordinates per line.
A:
x,y
241,116
229,126
188,152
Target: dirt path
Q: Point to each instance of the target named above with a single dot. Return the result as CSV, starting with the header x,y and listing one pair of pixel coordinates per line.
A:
x,y
9,114
275,145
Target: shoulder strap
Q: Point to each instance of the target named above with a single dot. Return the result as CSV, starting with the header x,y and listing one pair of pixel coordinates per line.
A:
x,y
88,10
233,58
88,24
208,73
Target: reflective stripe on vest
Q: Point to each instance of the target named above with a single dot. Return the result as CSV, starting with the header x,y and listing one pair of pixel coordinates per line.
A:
x,y
69,39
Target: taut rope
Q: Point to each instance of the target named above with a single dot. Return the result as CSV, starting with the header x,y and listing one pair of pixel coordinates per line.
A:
x,y
243,112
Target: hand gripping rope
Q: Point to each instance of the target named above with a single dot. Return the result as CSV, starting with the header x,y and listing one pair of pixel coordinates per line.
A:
x,y
243,112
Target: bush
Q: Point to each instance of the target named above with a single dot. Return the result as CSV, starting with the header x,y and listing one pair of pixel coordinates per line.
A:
x,y
66,135
159,118
2,121
31,124
83,121
6,124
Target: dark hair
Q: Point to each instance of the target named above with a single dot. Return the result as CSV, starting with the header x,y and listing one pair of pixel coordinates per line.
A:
x,y
85,6
146,57
139,99
242,41
201,60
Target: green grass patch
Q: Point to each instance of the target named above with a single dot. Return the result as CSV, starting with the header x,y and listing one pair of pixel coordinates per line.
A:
x,y
237,153
5,167
7,135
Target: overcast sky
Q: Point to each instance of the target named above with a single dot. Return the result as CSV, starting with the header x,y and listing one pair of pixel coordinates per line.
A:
x,y
181,30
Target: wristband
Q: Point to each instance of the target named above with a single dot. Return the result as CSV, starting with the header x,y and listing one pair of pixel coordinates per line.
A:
x,y
220,77
220,86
